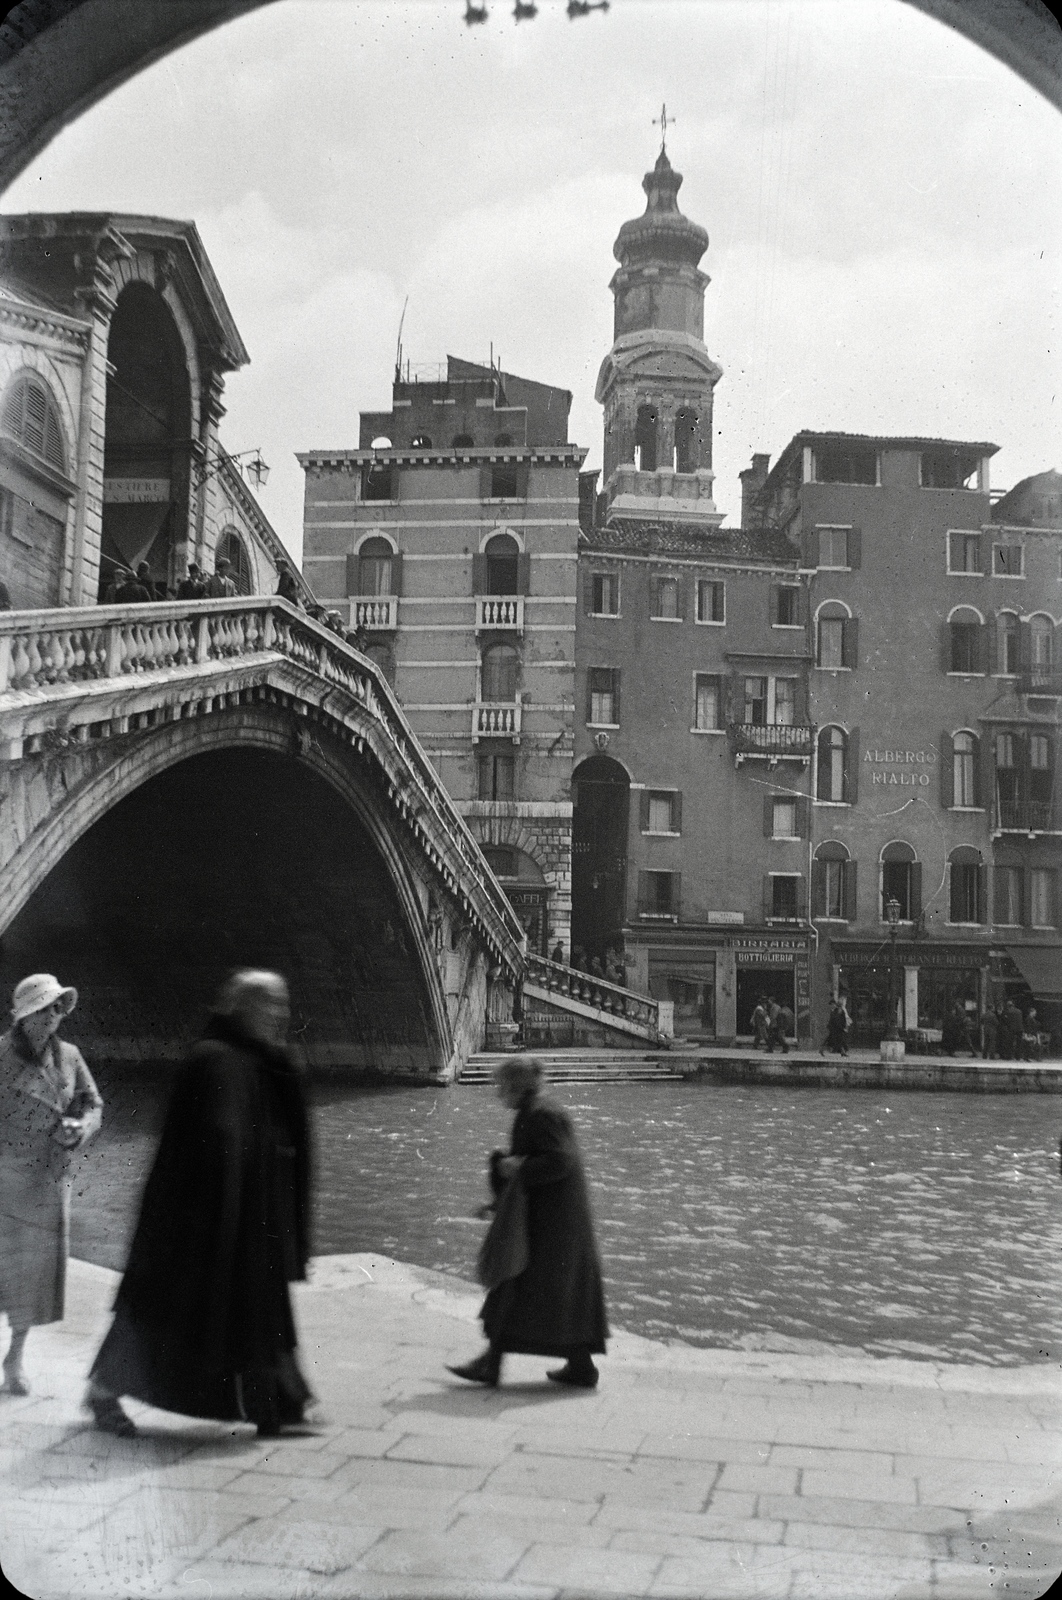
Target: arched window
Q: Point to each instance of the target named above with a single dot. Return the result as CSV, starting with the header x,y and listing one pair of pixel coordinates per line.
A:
x,y
31,416
833,883
687,455
231,548
1041,643
502,564
836,636
500,674
833,773
375,559
964,752
420,441
966,894
963,645
462,441
1007,643
901,880
645,446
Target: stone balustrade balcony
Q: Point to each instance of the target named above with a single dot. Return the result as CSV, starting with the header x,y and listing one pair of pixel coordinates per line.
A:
x,y
374,613
773,742
499,613
497,719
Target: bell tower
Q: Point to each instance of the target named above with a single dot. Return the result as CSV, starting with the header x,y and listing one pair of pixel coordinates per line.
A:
x,y
656,382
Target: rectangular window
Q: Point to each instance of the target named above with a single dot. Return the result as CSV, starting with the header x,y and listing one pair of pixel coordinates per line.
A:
x,y
1042,895
503,480
661,811
835,886
833,548
497,772
604,696
785,819
965,653
1008,896
665,599
964,894
784,702
756,702
711,600
604,599
785,896
964,551
788,605
658,894
1008,561
949,469
846,463
896,885
706,705
1039,752
376,481
831,642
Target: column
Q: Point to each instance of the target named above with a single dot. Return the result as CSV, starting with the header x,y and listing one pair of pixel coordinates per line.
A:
x,y
910,997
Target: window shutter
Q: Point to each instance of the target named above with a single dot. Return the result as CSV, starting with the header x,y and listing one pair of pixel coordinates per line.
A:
x,y
396,572
676,895
643,892
768,815
615,694
1024,647
676,811
916,890
588,592
485,480
353,574
818,888
1026,897
851,768
522,476
989,646
801,704
802,896
523,573
982,893
813,548
802,818
985,775
775,601
735,710
680,598
643,808
850,643
801,606
851,902
768,902
947,770
978,779
589,695
945,647
479,573
855,548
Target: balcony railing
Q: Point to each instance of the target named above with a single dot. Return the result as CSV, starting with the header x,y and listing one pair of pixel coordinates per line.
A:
x,y
635,1013
375,613
1026,816
773,742
496,719
1041,679
500,612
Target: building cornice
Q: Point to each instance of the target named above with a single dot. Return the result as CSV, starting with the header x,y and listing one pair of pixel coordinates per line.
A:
x,y
47,324
557,456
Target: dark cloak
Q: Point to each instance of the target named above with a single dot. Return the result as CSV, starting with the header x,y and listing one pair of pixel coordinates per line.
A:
x,y
557,1304
203,1322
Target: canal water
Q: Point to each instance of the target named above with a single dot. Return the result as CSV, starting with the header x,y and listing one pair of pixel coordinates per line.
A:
x,y
756,1217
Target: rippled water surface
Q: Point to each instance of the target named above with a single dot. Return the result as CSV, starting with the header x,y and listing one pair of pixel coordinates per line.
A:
x,y
912,1224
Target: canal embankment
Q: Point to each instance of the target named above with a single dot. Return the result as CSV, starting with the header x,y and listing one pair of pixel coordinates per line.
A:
x,y
687,1473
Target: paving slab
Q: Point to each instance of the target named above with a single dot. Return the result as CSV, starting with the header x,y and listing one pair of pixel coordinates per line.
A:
x,y
687,1473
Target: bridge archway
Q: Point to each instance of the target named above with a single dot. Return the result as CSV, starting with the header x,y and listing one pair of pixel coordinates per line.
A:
x,y
208,864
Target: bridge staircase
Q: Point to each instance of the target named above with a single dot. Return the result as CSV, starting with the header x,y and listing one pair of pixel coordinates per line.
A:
x,y
564,1006
582,1066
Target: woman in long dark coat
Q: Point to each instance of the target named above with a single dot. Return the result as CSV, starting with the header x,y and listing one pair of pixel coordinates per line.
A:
x,y
202,1321
556,1305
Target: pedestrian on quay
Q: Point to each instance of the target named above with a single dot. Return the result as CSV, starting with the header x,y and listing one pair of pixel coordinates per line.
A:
x,y
49,1106
836,1029
203,1322
555,1305
760,1024
779,1025
193,585
989,1035
1029,1040
1011,1029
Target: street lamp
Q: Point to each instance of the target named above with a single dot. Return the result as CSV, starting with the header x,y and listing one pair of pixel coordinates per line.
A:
x,y
892,913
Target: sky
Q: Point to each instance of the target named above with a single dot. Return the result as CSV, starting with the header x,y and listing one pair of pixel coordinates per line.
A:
x,y
881,197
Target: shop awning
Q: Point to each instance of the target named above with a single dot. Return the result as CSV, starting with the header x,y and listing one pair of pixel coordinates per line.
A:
x,y
1041,967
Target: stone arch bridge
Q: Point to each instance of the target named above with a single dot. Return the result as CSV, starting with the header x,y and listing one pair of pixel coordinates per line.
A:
x,y
187,786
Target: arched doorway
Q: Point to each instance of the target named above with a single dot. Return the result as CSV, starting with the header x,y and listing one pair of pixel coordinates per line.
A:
x,y
147,439
523,881
601,794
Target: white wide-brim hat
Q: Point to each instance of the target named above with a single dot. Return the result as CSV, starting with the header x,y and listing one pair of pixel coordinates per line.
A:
x,y
37,991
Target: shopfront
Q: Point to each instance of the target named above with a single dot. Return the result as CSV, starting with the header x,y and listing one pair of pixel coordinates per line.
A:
x,y
774,967
930,979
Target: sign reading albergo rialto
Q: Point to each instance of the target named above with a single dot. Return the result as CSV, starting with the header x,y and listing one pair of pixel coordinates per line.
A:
x,y
903,769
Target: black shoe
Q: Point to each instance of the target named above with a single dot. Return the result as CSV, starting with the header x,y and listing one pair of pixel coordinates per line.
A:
x,y
482,1370
575,1377
110,1418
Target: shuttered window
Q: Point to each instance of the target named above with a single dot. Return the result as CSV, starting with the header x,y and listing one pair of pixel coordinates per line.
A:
x,y
30,415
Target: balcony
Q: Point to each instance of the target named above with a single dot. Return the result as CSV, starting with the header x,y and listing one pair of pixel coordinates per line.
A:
x,y
1026,816
375,613
499,613
752,741
1041,679
496,719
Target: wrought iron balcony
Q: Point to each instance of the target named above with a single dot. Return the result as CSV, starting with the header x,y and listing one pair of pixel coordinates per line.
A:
x,y
752,741
1042,679
375,613
500,613
1026,816
496,719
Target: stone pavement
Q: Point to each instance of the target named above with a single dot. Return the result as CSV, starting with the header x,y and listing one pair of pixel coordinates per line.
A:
x,y
710,1473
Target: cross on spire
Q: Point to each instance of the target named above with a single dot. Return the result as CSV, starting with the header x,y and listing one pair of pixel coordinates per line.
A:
x,y
663,121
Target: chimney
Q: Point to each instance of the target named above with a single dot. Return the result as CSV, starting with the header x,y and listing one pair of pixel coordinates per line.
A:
x,y
752,481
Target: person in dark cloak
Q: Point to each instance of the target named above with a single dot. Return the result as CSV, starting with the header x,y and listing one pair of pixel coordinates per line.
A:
x,y
203,1322
836,1029
556,1305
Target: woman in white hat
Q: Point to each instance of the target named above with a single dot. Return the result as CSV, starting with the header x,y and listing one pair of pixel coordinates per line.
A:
x,y
49,1106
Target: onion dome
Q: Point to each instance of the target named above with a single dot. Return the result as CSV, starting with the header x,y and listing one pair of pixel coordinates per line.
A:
x,y
662,233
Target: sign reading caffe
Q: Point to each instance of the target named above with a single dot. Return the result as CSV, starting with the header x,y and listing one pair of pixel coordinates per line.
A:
x,y
900,768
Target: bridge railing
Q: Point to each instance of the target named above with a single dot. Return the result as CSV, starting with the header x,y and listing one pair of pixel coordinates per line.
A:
x,y
47,654
572,984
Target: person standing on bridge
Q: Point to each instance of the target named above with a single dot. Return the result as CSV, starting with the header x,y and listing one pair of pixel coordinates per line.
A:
x,y
555,1306
49,1106
222,586
203,1322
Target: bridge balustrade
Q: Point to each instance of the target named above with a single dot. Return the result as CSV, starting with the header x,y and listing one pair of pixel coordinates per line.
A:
x,y
639,1012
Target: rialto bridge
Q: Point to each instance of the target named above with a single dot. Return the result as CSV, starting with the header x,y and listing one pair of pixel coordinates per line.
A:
x,y
185,787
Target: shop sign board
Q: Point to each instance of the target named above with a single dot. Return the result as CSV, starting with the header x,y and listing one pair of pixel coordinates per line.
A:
x,y
135,491
900,768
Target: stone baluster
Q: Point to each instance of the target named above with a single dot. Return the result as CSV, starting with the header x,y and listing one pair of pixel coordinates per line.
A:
x,y
63,655
32,651
20,661
5,663
112,661
269,629
78,669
